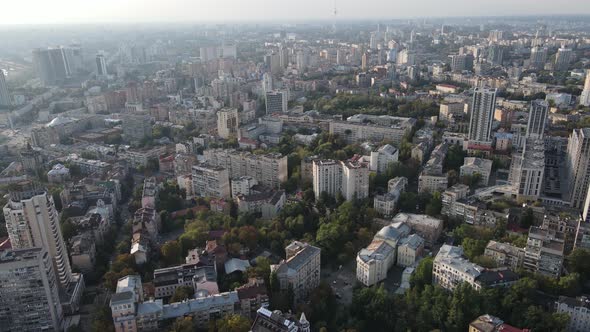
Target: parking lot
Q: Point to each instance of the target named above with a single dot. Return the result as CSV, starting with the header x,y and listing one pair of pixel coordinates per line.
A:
x,y
342,281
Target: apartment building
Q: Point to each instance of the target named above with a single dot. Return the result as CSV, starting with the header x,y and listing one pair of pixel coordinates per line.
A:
x,y
29,292
361,127
505,254
578,309
300,270
268,169
210,181
544,253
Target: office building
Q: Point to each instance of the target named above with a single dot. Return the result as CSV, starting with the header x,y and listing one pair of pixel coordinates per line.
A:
x,y
577,166
211,181
585,96
32,221
101,66
537,119
578,310
4,94
544,253
136,128
563,58
300,270
269,170
29,292
482,114
538,58
276,101
228,122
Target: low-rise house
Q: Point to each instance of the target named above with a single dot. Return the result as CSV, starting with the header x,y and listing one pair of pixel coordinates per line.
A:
x,y
83,252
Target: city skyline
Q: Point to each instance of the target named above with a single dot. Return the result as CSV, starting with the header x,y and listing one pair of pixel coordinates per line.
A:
x,y
152,11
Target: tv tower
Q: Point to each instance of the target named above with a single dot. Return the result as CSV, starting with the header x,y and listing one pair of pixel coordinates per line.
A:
x,y
334,15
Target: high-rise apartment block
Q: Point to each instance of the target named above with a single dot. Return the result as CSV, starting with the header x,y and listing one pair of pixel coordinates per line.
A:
x,y
350,178
32,221
29,292
228,122
538,57
527,170
101,66
585,96
55,65
4,94
537,119
211,181
563,58
482,114
577,166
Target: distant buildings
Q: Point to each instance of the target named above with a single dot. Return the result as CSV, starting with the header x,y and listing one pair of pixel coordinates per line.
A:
x,y
538,58
300,270
585,96
136,128
227,123
563,58
276,101
55,65
4,94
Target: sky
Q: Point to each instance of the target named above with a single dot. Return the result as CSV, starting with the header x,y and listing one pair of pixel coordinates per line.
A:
x,y
135,11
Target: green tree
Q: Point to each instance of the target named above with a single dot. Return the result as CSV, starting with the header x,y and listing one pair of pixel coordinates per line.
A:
x,y
234,323
423,274
182,293
579,261
183,324
171,252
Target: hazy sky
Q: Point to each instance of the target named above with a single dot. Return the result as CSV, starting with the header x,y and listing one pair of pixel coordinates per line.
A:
x,y
92,11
